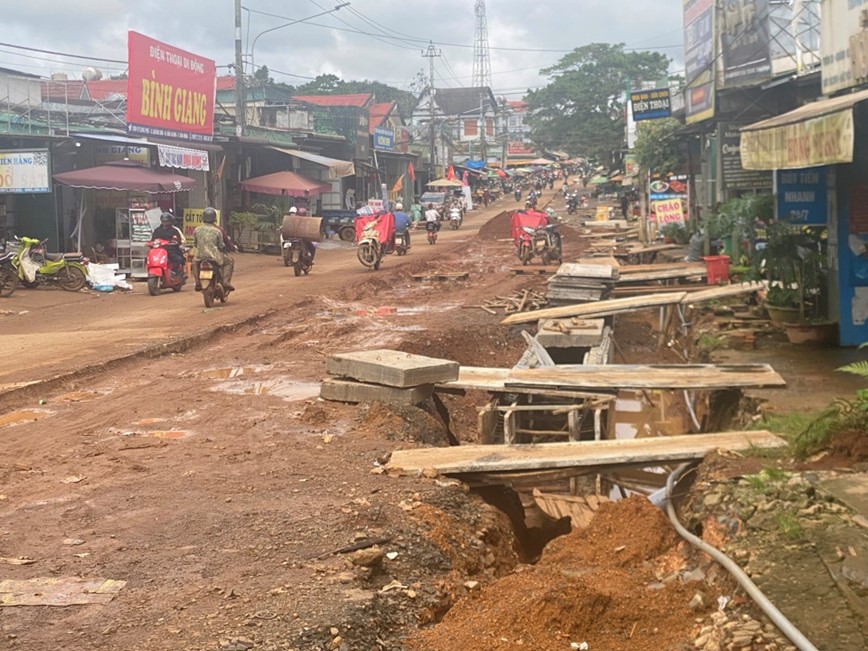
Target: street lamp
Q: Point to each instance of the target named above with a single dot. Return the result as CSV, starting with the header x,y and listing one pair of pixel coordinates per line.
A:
x,y
293,22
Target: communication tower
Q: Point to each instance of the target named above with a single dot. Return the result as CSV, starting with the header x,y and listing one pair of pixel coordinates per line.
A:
x,y
481,55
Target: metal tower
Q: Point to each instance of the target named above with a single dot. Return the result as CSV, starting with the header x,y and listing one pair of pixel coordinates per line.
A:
x,y
481,55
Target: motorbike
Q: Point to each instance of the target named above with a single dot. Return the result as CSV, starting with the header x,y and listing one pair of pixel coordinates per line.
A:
x,y
161,274
572,205
432,228
530,204
296,255
455,218
211,279
534,236
518,195
8,272
402,243
35,266
373,233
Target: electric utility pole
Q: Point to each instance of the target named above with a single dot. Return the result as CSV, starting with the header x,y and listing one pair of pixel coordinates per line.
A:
x,y
431,53
239,74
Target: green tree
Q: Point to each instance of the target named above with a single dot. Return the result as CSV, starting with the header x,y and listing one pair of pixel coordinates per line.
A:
x,y
333,85
656,149
582,108
263,76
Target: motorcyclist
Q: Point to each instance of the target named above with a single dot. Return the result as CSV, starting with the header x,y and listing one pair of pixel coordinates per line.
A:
x,y
170,233
402,223
432,217
309,245
212,243
517,193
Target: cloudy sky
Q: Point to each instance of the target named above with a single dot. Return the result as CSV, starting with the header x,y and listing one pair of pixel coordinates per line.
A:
x,y
369,39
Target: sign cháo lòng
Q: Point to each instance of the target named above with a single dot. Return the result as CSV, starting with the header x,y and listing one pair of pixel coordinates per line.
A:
x,y
170,92
668,211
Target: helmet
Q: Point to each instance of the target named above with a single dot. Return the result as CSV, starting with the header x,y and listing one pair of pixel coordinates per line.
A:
x,y
293,210
302,212
399,206
209,215
167,217
430,205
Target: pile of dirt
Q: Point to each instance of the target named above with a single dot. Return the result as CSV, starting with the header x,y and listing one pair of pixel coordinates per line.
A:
x,y
497,228
590,586
474,343
401,423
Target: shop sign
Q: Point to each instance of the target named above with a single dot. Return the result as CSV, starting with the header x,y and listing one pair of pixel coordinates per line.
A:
x,y
650,104
745,42
170,91
631,167
699,59
377,205
24,172
192,219
183,158
801,196
841,21
734,176
669,211
384,139
363,138
108,153
825,140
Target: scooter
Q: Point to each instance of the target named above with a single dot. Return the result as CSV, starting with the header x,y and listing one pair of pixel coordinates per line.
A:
x,y
402,242
432,228
162,275
544,242
572,205
517,195
37,267
211,279
455,218
296,255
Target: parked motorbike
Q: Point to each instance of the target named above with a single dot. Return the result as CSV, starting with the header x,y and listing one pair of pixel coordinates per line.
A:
x,y
296,255
161,274
402,242
211,279
35,266
8,272
534,236
432,228
455,218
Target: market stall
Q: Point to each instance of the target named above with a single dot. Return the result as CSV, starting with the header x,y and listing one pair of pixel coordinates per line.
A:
x,y
133,222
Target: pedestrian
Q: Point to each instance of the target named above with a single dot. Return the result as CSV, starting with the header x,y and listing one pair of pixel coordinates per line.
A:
x,y
625,205
416,212
486,197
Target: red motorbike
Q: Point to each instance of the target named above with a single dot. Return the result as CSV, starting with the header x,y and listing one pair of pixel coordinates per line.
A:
x,y
161,274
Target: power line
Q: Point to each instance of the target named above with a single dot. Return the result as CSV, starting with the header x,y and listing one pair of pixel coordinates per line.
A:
x,y
63,54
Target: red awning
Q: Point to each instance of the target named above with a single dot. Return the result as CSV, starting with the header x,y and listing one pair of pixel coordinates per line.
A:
x,y
286,183
125,176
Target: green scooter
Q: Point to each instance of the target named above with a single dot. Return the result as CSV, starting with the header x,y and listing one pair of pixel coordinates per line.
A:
x,y
37,267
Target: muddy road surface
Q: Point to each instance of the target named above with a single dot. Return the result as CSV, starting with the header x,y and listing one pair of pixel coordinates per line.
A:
x,y
179,459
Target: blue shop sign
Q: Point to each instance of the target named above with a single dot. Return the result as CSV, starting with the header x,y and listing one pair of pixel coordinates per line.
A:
x,y
801,196
384,139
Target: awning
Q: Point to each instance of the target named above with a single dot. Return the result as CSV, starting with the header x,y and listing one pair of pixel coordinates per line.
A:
x,y
819,133
338,169
125,176
287,184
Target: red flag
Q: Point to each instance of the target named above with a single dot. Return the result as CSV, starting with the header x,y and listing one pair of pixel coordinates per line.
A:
x,y
411,172
450,173
466,178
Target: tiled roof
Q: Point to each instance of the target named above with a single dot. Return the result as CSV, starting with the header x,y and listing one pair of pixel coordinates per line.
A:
x,y
360,99
378,113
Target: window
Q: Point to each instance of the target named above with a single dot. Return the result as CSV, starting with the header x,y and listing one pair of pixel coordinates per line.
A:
x,y
489,126
471,128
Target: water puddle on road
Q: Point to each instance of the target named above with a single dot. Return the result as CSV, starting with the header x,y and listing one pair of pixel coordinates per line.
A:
x,y
230,372
23,416
285,389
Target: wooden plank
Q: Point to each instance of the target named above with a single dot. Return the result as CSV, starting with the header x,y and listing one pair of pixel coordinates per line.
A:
x,y
653,248
599,309
572,269
638,376
715,293
493,380
650,290
458,275
391,367
356,392
654,266
612,453
534,271
664,274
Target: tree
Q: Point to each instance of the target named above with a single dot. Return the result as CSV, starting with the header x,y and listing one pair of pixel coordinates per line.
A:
x,y
582,109
656,149
333,85
263,76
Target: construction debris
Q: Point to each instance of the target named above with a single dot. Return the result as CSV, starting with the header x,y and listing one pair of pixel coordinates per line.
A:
x,y
581,283
521,301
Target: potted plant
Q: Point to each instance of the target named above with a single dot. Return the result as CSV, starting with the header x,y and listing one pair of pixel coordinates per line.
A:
x,y
794,260
674,232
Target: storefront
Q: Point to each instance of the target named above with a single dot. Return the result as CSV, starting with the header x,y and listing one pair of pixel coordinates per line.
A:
x,y
338,174
26,200
818,154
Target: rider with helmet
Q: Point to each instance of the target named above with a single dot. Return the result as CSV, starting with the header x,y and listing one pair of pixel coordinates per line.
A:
x,y
308,244
402,222
170,233
211,243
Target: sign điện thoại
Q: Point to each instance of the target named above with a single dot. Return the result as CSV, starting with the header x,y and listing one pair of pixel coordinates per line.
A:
x,y
650,104
170,92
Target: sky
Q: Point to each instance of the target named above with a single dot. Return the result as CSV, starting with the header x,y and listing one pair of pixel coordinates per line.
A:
x,y
368,39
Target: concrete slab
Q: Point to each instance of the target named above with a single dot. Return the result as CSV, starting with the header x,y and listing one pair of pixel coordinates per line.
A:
x,y
851,490
570,333
392,368
356,392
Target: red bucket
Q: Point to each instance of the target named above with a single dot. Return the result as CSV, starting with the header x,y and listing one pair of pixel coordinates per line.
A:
x,y
718,269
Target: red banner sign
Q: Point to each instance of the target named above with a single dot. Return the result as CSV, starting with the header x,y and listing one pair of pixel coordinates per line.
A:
x,y
170,92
